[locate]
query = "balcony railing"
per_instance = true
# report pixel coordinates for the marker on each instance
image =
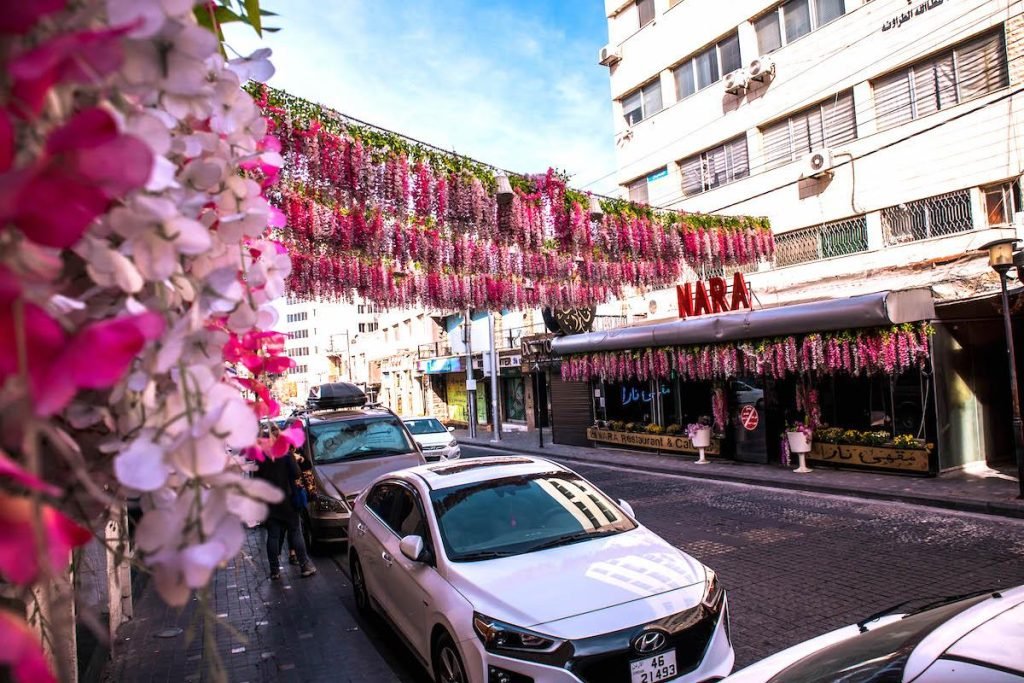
(944, 214)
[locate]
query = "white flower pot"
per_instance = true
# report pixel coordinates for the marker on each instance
(798, 442)
(702, 438)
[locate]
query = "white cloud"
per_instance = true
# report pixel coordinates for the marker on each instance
(496, 83)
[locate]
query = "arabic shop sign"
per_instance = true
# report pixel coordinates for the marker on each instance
(904, 17)
(713, 298)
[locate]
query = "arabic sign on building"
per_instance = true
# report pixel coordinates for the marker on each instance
(903, 17)
(701, 300)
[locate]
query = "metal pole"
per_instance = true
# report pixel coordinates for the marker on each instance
(1018, 424)
(495, 416)
(470, 382)
(348, 354)
(536, 402)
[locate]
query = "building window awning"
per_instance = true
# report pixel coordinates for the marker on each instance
(867, 310)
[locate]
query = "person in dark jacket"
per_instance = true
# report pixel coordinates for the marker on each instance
(283, 516)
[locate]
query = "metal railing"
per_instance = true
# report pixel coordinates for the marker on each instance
(433, 350)
(944, 214)
(819, 242)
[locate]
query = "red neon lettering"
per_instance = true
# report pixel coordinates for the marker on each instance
(702, 305)
(740, 293)
(684, 295)
(718, 289)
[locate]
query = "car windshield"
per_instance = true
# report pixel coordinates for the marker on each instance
(427, 425)
(517, 515)
(365, 437)
(877, 656)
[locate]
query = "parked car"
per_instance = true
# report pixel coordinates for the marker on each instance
(516, 569)
(436, 440)
(977, 638)
(348, 445)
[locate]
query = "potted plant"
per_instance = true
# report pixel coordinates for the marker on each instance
(655, 429)
(798, 438)
(700, 437)
(673, 429)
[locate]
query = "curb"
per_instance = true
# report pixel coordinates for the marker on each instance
(983, 507)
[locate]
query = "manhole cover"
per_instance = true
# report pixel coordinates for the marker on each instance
(168, 632)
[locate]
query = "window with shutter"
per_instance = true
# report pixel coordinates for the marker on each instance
(693, 181)
(715, 167)
(971, 69)
(826, 124)
(645, 11)
(638, 191)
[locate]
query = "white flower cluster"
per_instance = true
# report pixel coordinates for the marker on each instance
(191, 246)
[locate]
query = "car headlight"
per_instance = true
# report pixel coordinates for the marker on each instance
(497, 635)
(329, 505)
(713, 591)
(453, 443)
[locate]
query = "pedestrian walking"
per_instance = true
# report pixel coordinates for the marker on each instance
(284, 517)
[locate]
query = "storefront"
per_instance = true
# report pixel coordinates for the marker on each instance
(857, 371)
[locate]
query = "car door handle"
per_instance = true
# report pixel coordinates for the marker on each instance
(388, 560)
(361, 529)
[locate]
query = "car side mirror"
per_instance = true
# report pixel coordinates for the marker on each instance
(451, 429)
(627, 508)
(412, 547)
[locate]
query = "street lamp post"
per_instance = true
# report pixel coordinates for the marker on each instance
(1000, 258)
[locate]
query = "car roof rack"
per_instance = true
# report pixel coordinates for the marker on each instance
(335, 395)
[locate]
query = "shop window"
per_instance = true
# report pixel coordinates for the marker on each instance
(642, 102)
(971, 69)
(1002, 202)
(715, 167)
(826, 124)
(794, 19)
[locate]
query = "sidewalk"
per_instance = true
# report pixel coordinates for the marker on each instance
(990, 492)
(289, 630)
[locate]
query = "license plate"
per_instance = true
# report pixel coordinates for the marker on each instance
(653, 669)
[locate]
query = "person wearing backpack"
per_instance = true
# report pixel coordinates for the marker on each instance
(283, 517)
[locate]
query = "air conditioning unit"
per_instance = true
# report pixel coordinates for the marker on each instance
(762, 69)
(609, 55)
(736, 82)
(818, 163)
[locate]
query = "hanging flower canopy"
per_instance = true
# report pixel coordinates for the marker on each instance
(373, 214)
(890, 351)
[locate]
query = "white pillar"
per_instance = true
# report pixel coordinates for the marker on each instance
(495, 416)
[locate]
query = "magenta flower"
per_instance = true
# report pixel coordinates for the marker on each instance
(21, 651)
(19, 557)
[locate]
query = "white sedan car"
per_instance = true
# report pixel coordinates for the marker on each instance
(516, 569)
(977, 638)
(435, 440)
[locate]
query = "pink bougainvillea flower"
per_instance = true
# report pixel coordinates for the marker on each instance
(6, 141)
(292, 435)
(264, 406)
(11, 470)
(88, 164)
(21, 651)
(18, 552)
(82, 57)
(19, 17)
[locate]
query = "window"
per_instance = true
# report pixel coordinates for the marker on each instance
(826, 124)
(299, 334)
(638, 189)
(398, 508)
(792, 20)
(644, 12)
(641, 103)
(673, 3)
(838, 238)
(1001, 202)
(358, 438)
(969, 70)
(299, 351)
(298, 370)
(368, 327)
(708, 66)
(944, 214)
(297, 317)
(716, 166)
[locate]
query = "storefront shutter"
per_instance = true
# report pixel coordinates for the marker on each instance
(893, 100)
(981, 66)
(571, 411)
(693, 181)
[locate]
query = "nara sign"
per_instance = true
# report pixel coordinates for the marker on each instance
(715, 297)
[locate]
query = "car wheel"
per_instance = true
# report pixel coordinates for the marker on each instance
(359, 591)
(448, 666)
(312, 547)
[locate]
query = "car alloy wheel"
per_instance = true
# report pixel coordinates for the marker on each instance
(447, 662)
(359, 587)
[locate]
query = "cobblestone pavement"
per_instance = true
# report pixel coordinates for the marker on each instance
(797, 564)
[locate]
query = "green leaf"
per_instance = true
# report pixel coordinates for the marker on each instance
(252, 14)
(225, 16)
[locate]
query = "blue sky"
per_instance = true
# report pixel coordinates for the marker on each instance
(514, 83)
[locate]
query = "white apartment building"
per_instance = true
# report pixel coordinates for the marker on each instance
(312, 329)
(883, 138)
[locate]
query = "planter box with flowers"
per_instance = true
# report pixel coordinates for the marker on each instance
(875, 450)
(672, 439)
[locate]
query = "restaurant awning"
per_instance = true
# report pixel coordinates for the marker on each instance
(867, 310)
